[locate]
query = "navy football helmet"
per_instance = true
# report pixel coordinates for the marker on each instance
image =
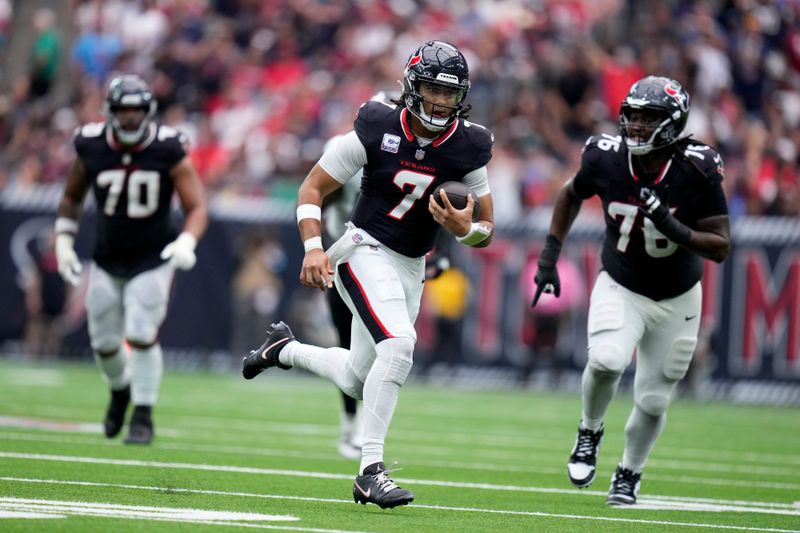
(129, 91)
(437, 63)
(666, 104)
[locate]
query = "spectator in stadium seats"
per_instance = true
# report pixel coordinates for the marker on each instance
(46, 54)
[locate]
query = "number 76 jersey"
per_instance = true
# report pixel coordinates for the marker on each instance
(133, 193)
(635, 254)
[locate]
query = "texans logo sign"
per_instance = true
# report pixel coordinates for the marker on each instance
(678, 95)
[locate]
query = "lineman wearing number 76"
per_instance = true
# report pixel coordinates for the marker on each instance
(133, 165)
(664, 212)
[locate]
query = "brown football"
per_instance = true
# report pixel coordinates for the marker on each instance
(457, 194)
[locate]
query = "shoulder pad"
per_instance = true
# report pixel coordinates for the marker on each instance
(478, 134)
(92, 129)
(374, 110)
(601, 146)
(168, 132)
(705, 159)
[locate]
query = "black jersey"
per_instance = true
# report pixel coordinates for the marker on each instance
(635, 254)
(400, 174)
(133, 193)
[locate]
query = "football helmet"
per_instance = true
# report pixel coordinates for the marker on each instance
(129, 91)
(437, 63)
(666, 101)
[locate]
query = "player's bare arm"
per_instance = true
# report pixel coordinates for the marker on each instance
(316, 271)
(75, 189)
(193, 199)
(566, 209)
(711, 238)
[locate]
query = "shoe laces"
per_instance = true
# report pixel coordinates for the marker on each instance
(587, 443)
(625, 480)
(384, 482)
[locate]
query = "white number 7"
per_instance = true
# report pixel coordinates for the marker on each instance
(421, 182)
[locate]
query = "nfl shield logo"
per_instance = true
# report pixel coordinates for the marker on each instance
(419, 154)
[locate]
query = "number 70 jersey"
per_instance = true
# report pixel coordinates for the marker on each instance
(635, 254)
(133, 193)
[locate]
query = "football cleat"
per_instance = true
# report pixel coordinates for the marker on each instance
(581, 465)
(266, 356)
(624, 487)
(141, 428)
(374, 486)
(117, 407)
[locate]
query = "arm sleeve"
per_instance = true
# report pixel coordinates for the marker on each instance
(344, 158)
(478, 181)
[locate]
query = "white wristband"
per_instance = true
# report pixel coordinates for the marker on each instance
(312, 243)
(66, 225)
(308, 211)
(477, 234)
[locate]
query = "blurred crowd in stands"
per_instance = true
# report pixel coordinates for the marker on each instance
(260, 85)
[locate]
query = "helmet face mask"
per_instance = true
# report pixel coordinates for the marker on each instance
(435, 84)
(653, 115)
(129, 108)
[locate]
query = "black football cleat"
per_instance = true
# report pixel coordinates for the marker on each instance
(374, 486)
(115, 415)
(581, 465)
(624, 487)
(141, 427)
(266, 356)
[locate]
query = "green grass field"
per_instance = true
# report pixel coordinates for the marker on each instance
(233, 454)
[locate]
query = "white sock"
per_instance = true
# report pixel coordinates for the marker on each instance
(598, 389)
(641, 432)
(330, 363)
(381, 390)
(146, 369)
(115, 369)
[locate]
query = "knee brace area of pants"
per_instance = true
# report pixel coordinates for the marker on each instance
(398, 352)
(653, 403)
(106, 343)
(679, 357)
(607, 358)
(352, 386)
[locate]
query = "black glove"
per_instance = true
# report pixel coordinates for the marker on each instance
(658, 212)
(435, 264)
(547, 274)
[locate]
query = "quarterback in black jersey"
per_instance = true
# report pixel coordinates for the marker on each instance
(406, 148)
(133, 166)
(665, 211)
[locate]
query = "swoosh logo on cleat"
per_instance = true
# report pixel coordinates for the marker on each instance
(274, 344)
(366, 494)
(688, 318)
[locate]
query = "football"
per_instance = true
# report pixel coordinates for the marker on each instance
(457, 194)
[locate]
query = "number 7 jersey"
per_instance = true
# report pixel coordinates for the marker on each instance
(133, 193)
(401, 173)
(635, 254)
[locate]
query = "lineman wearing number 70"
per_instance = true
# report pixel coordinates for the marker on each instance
(133, 166)
(664, 211)
(406, 149)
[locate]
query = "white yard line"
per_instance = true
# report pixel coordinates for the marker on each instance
(778, 508)
(482, 466)
(68, 505)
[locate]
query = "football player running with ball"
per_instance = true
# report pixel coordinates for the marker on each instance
(133, 165)
(665, 211)
(406, 149)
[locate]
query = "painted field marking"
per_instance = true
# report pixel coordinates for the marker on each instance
(777, 507)
(432, 507)
(267, 452)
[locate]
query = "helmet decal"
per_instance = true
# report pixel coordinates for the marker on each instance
(678, 95)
